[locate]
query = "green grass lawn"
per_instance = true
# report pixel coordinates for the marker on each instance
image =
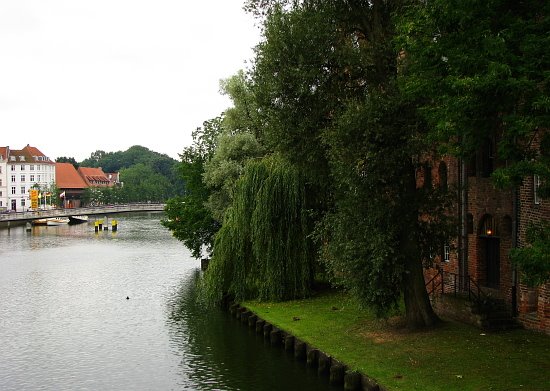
(453, 356)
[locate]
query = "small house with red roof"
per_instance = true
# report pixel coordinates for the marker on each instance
(70, 184)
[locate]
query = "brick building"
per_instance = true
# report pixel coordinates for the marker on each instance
(533, 303)
(491, 222)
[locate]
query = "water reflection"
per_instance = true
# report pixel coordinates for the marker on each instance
(218, 352)
(65, 323)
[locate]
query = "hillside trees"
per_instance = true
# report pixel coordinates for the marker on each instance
(151, 164)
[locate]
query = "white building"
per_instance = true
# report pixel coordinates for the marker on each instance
(21, 170)
(3, 179)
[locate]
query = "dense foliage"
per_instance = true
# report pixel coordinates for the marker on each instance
(187, 216)
(347, 103)
(262, 250)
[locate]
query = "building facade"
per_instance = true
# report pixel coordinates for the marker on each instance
(23, 170)
(492, 222)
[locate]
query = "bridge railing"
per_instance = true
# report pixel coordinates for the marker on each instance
(89, 210)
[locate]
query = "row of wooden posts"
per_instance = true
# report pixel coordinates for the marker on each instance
(338, 373)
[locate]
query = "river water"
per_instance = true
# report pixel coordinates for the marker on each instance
(66, 322)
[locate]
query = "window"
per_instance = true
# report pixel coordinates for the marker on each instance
(22, 189)
(22, 202)
(38, 178)
(38, 167)
(12, 158)
(536, 186)
(0, 182)
(469, 223)
(22, 167)
(22, 178)
(487, 158)
(1, 194)
(1, 202)
(0, 169)
(13, 178)
(443, 175)
(13, 167)
(446, 252)
(32, 178)
(13, 190)
(31, 167)
(427, 177)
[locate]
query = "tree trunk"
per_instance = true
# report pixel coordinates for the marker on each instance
(419, 311)
(418, 308)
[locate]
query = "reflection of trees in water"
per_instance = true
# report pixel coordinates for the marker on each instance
(220, 353)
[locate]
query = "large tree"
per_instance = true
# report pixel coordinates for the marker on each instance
(325, 80)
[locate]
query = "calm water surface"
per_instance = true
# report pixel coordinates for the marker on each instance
(65, 322)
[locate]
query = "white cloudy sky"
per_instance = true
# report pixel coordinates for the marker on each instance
(81, 75)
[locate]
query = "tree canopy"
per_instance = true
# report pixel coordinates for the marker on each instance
(344, 105)
(187, 216)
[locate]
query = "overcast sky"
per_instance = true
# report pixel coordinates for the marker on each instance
(77, 76)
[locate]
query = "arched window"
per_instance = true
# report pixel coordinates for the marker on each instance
(427, 171)
(487, 158)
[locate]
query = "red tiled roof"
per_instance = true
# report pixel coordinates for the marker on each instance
(3, 153)
(30, 154)
(33, 151)
(93, 176)
(66, 177)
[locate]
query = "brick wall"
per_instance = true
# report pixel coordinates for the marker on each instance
(533, 303)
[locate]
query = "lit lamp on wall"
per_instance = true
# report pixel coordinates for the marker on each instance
(488, 229)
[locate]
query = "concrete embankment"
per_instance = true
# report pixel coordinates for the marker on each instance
(336, 372)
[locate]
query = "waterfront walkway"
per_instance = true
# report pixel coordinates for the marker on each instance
(88, 211)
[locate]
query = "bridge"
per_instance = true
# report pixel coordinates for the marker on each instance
(87, 211)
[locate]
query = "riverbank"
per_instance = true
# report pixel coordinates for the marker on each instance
(453, 356)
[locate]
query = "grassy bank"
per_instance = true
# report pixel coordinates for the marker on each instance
(453, 356)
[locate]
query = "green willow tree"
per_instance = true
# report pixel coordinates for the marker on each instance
(263, 250)
(236, 144)
(226, 166)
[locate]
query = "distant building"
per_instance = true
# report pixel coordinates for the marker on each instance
(70, 184)
(94, 177)
(114, 178)
(21, 170)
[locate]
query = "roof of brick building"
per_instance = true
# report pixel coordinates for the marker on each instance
(94, 176)
(66, 177)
